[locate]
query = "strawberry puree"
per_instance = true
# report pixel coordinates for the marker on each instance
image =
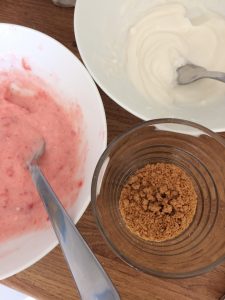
(28, 113)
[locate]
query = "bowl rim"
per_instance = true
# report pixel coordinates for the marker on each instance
(102, 159)
(109, 93)
(98, 97)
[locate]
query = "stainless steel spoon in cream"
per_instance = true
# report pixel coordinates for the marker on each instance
(190, 73)
(91, 280)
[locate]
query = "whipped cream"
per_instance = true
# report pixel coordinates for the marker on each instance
(166, 37)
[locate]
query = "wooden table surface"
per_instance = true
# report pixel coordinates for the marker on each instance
(49, 279)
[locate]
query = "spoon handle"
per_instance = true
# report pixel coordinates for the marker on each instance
(220, 76)
(91, 280)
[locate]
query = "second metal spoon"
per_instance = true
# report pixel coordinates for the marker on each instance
(190, 73)
(92, 281)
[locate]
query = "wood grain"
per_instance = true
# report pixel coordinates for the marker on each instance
(49, 279)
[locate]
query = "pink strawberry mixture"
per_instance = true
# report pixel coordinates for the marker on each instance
(28, 113)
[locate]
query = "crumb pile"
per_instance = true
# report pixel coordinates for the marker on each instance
(158, 202)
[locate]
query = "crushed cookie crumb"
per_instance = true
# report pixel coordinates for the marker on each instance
(158, 202)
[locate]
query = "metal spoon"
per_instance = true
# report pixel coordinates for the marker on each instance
(190, 73)
(91, 280)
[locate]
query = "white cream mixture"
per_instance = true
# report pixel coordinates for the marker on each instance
(166, 38)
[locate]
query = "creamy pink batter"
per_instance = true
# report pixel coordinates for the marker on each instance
(29, 112)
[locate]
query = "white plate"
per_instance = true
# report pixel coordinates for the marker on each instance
(10, 294)
(101, 38)
(64, 72)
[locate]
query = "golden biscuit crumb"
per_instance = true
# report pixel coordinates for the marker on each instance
(158, 202)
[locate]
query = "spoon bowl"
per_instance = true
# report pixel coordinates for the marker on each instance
(190, 73)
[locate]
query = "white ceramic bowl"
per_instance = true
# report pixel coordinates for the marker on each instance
(101, 28)
(62, 71)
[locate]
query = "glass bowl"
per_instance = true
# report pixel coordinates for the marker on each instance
(201, 154)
